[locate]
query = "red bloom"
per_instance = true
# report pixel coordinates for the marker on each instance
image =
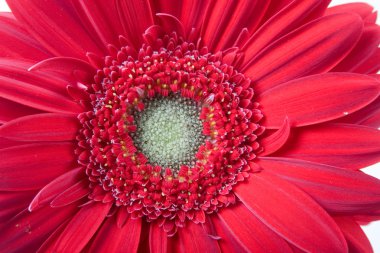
(189, 126)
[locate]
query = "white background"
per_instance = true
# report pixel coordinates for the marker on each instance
(372, 230)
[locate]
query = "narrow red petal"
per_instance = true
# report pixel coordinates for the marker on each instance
(373, 120)
(13, 203)
(278, 139)
(356, 239)
(129, 12)
(74, 193)
(55, 187)
(227, 241)
(17, 43)
(274, 8)
(18, 70)
(170, 24)
(291, 213)
(27, 231)
(101, 18)
(192, 14)
(365, 47)
(112, 239)
(81, 228)
(245, 14)
(6, 143)
(47, 245)
(290, 17)
(362, 9)
(371, 65)
(172, 8)
(33, 166)
(158, 239)
(66, 65)
(193, 238)
(122, 216)
(299, 53)
(363, 115)
(333, 140)
(63, 36)
(36, 97)
(350, 192)
(334, 95)
(11, 110)
(250, 231)
(41, 127)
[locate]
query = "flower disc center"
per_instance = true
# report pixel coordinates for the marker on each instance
(169, 131)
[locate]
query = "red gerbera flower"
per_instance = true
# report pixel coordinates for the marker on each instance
(188, 126)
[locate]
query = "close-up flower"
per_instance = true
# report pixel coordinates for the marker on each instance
(188, 126)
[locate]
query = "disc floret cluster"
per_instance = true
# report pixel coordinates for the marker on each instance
(128, 91)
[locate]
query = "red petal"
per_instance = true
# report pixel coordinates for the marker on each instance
(173, 8)
(36, 97)
(18, 70)
(67, 66)
(291, 213)
(63, 36)
(129, 12)
(299, 53)
(11, 110)
(288, 18)
(250, 231)
(170, 24)
(55, 187)
(101, 19)
(362, 9)
(192, 13)
(371, 65)
(315, 99)
(350, 191)
(48, 244)
(112, 239)
(6, 143)
(27, 231)
(275, 7)
(81, 228)
(364, 115)
(365, 47)
(73, 193)
(356, 239)
(158, 239)
(193, 238)
(278, 139)
(41, 127)
(33, 166)
(342, 145)
(227, 241)
(122, 216)
(373, 120)
(226, 21)
(17, 43)
(13, 203)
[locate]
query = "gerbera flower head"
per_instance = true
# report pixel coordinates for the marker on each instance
(189, 126)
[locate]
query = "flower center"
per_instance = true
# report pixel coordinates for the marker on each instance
(169, 131)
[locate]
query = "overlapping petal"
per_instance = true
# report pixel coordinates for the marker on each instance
(63, 36)
(32, 166)
(316, 99)
(336, 195)
(299, 53)
(298, 213)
